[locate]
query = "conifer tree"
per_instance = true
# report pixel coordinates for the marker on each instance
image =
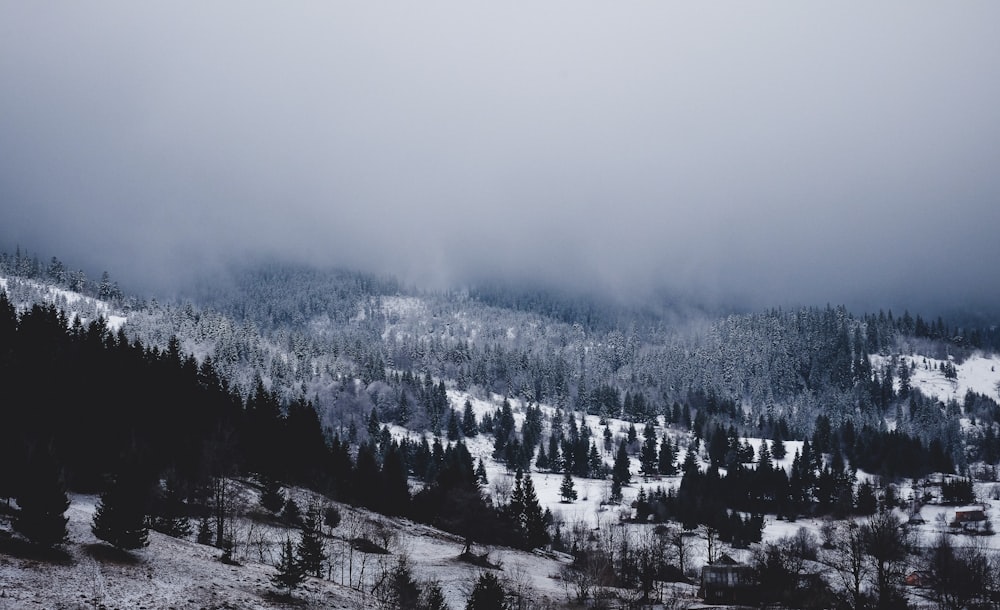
(616, 491)
(534, 522)
(403, 591)
(481, 472)
(542, 461)
(452, 427)
(290, 573)
(667, 457)
(595, 463)
(309, 551)
(566, 490)
(647, 458)
(488, 594)
(42, 502)
(120, 518)
(169, 517)
(778, 449)
(620, 472)
(271, 497)
(764, 463)
(290, 513)
(373, 425)
(469, 426)
(433, 597)
(204, 535)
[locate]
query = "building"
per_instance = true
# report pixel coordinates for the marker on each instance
(727, 582)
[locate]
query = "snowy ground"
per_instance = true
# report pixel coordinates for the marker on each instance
(174, 573)
(979, 373)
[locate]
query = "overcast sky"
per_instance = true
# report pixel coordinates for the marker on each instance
(777, 152)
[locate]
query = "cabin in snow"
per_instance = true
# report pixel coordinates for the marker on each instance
(972, 519)
(727, 582)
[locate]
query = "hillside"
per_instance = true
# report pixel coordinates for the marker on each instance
(308, 387)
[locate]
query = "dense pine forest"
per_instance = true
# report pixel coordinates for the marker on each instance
(285, 375)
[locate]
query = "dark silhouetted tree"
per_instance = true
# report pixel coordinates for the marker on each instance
(42, 501)
(120, 518)
(290, 574)
(566, 490)
(309, 551)
(488, 594)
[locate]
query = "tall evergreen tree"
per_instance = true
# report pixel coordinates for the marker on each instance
(42, 501)
(271, 497)
(488, 594)
(648, 455)
(290, 574)
(667, 457)
(169, 511)
(566, 490)
(620, 472)
(469, 426)
(309, 552)
(534, 522)
(120, 518)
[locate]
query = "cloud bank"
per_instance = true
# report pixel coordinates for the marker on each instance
(770, 153)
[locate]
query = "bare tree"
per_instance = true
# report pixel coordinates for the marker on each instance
(958, 576)
(887, 543)
(848, 557)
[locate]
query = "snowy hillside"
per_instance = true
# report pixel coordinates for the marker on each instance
(979, 373)
(175, 573)
(86, 307)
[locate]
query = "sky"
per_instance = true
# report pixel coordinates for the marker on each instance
(767, 153)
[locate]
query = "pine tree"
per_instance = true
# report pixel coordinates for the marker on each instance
(310, 551)
(566, 490)
(481, 472)
(488, 594)
(204, 535)
(290, 513)
(403, 591)
(453, 430)
(469, 426)
(534, 521)
(778, 449)
(433, 597)
(764, 463)
(169, 517)
(620, 472)
(616, 491)
(594, 462)
(373, 425)
(120, 518)
(331, 518)
(667, 457)
(290, 573)
(271, 497)
(648, 455)
(42, 501)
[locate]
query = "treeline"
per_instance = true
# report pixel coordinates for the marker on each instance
(55, 272)
(311, 331)
(87, 410)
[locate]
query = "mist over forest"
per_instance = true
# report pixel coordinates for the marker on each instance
(646, 305)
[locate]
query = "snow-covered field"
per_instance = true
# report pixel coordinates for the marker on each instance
(174, 573)
(65, 298)
(979, 373)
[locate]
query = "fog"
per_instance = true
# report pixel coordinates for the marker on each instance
(761, 153)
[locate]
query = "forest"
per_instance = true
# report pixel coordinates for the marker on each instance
(291, 376)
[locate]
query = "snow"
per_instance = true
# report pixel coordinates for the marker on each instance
(175, 573)
(979, 373)
(51, 294)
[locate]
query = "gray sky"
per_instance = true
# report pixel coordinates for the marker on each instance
(778, 152)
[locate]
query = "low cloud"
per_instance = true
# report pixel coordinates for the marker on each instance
(767, 155)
